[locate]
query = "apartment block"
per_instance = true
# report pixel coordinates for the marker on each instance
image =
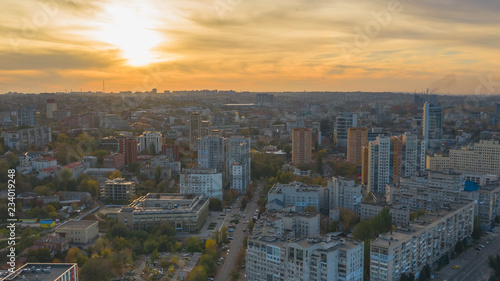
(357, 138)
(238, 163)
(273, 255)
(211, 153)
(185, 213)
(296, 194)
(201, 181)
(301, 146)
(115, 160)
(400, 213)
(117, 189)
(128, 147)
(433, 121)
(424, 241)
(151, 142)
(194, 130)
(345, 120)
(26, 116)
(344, 193)
(25, 138)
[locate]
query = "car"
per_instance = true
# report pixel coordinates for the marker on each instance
(477, 248)
(244, 229)
(230, 238)
(224, 248)
(481, 245)
(456, 266)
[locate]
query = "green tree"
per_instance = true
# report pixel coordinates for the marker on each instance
(116, 174)
(158, 175)
(223, 238)
(477, 232)
(96, 269)
(193, 244)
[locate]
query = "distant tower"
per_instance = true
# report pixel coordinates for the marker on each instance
(194, 130)
(357, 138)
(51, 107)
(301, 146)
(433, 124)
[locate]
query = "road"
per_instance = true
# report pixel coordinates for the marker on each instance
(237, 242)
(473, 263)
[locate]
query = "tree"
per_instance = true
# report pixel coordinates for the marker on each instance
(215, 205)
(477, 231)
(193, 244)
(96, 269)
(197, 274)
(224, 239)
(158, 175)
(310, 209)
(115, 174)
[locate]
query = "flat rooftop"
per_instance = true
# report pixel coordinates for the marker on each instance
(39, 271)
(78, 225)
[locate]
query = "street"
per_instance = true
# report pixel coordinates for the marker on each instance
(238, 235)
(473, 263)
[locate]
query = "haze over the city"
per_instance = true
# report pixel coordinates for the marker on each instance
(449, 46)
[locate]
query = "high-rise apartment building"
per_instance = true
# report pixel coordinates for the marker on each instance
(26, 116)
(433, 125)
(264, 99)
(238, 163)
(390, 158)
(301, 146)
(211, 153)
(357, 138)
(201, 181)
(275, 252)
(425, 240)
(194, 130)
(51, 107)
(344, 193)
(128, 147)
(206, 128)
(151, 142)
(345, 120)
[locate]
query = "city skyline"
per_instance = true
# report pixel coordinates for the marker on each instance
(397, 46)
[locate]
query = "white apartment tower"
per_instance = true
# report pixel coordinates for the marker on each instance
(201, 181)
(150, 141)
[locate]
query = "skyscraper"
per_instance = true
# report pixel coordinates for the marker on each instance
(301, 146)
(433, 125)
(356, 139)
(194, 130)
(211, 153)
(238, 163)
(345, 120)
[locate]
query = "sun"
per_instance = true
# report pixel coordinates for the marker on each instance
(132, 31)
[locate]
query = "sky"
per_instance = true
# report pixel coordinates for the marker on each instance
(446, 46)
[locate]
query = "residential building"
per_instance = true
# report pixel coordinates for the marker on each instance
(345, 120)
(128, 147)
(357, 138)
(171, 151)
(185, 213)
(211, 153)
(297, 194)
(275, 253)
(201, 181)
(391, 158)
(301, 146)
(76, 169)
(264, 100)
(43, 162)
(115, 160)
(25, 138)
(150, 142)
(79, 232)
(400, 213)
(44, 272)
(433, 121)
(424, 241)
(482, 158)
(344, 193)
(51, 105)
(194, 130)
(238, 163)
(117, 189)
(55, 243)
(26, 116)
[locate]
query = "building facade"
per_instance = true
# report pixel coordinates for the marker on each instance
(433, 121)
(301, 146)
(79, 232)
(201, 181)
(238, 163)
(128, 147)
(345, 120)
(151, 142)
(357, 138)
(211, 153)
(117, 189)
(25, 138)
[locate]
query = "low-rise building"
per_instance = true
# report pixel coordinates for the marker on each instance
(297, 194)
(115, 160)
(79, 232)
(44, 272)
(400, 213)
(184, 212)
(55, 243)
